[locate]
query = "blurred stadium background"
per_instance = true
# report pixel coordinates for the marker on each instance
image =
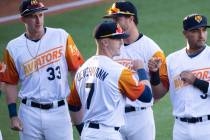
(161, 20)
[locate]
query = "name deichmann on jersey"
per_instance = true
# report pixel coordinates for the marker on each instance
(93, 72)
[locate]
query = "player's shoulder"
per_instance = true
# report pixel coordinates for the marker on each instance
(147, 42)
(56, 30)
(16, 42)
(147, 39)
(176, 54)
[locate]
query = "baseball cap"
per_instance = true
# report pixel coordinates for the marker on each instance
(28, 7)
(121, 9)
(194, 21)
(109, 29)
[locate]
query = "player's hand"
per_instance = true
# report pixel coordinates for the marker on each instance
(154, 64)
(16, 124)
(138, 64)
(188, 77)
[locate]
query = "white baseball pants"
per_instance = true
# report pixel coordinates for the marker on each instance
(39, 124)
(139, 125)
(191, 131)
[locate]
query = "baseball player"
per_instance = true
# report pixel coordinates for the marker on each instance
(40, 60)
(188, 74)
(101, 84)
(139, 116)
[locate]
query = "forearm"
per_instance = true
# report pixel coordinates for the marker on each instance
(202, 85)
(11, 93)
(146, 96)
(11, 97)
(158, 89)
(76, 117)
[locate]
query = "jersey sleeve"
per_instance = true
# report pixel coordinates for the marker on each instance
(73, 99)
(129, 85)
(2, 70)
(10, 75)
(73, 56)
(163, 69)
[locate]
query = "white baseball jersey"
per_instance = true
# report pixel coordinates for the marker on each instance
(99, 87)
(144, 48)
(42, 66)
(188, 101)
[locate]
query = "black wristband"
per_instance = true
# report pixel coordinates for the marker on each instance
(154, 78)
(12, 108)
(80, 128)
(201, 84)
(142, 74)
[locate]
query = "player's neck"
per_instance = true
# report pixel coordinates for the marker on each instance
(194, 51)
(35, 35)
(133, 35)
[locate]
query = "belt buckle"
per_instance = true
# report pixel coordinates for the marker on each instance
(46, 106)
(192, 120)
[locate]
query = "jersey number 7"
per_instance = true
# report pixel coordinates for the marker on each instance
(90, 95)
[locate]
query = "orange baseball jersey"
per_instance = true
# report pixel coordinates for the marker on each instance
(100, 87)
(144, 49)
(42, 66)
(186, 99)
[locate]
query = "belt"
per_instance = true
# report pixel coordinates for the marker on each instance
(44, 106)
(97, 126)
(131, 108)
(194, 119)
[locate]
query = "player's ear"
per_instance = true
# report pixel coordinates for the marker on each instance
(105, 42)
(184, 33)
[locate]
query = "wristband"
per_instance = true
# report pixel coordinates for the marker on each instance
(201, 84)
(12, 110)
(142, 74)
(155, 78)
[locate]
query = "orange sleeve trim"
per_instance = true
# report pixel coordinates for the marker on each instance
(163, 69)
(73, 56)
(73, 99)
(10, 74)
(129, 85)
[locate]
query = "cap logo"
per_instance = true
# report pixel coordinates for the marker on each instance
(198, 18)
(113, 9)
(34, 2)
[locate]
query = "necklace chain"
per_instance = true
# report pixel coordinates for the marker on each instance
(36, 54)
(30, 51)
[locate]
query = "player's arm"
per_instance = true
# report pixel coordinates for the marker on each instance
(190, 78)
(131, 87)
(75, 105)
(11, 78)
(158, 75)
(11, 98)
(73, 56)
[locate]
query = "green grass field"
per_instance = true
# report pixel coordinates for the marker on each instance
(161, 20)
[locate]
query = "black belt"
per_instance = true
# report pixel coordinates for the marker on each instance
(44, 106)
(96, 126)
(131, 109)
(194, 119)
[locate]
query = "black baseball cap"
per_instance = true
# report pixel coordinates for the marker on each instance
(28, 7)
(194, 21)
(121, 9)
(109, 29)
